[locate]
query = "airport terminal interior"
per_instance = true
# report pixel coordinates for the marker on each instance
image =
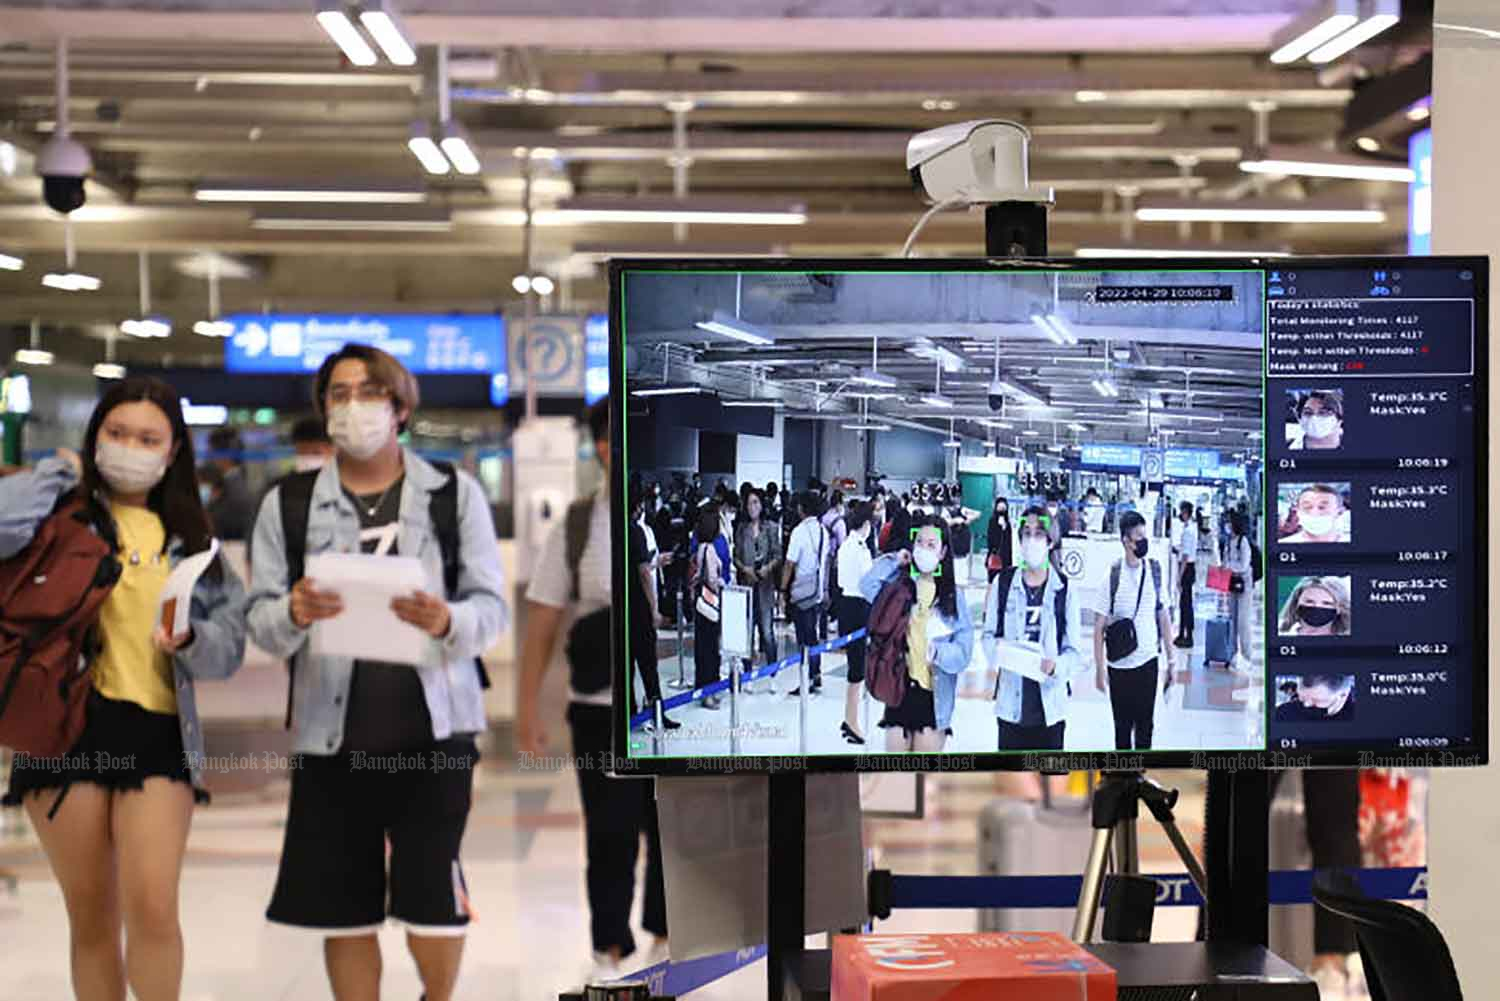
(733, 231)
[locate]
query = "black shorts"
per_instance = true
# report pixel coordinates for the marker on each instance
(333, 874)
(122, 746)
(917, 712)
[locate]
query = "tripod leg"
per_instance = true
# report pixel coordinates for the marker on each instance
(1093, 886)
(1185, 852)
(1127, 848)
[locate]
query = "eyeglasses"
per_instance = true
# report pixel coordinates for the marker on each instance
(369, 392)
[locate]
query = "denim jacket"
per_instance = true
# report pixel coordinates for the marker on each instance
(1062, 649)
(953, 650)
(320, 695)
(217, 610)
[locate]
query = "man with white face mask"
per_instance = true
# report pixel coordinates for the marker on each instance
(416, 721)
(1320, 421)
(1320, 516)
(1032, 615)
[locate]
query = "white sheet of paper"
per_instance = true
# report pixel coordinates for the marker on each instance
(937, 628)
(177, 595)
(1024, 659)
(367, 629)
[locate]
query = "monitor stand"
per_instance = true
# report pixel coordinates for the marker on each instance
(1233, 957)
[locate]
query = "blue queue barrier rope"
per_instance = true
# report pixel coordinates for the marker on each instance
(684, 698)
(676, 979)
(1288, 886)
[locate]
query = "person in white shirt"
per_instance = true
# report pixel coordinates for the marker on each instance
(1320, 516)
(854, 611)
(1240, 559)
(1134, 596)
(1187, 559)
(616, 812)
(805, 579)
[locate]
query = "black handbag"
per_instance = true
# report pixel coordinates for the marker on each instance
(1237, 583)
(1120, 640)
(590, 653)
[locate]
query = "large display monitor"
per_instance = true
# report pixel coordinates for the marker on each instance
(1330, 411)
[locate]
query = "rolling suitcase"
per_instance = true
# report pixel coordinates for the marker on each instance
(1218, 646)
(1017, 838)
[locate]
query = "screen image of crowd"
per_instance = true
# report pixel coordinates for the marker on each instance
(1075, 566)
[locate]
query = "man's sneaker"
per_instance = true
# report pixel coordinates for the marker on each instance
(658, 952)
(605, 968)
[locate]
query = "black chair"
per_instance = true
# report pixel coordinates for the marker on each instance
(1404, 954)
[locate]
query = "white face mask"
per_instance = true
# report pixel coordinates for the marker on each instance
(926, 559)
(129, 470)
(1034, 553)
(308, 463)
(1320, 425)
(361, 429)
(1317, 524)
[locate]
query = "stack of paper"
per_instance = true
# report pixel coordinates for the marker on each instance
(367, 629)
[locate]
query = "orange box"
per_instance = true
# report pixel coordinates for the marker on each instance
(987, 966)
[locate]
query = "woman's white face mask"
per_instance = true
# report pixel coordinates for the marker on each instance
(128, 470)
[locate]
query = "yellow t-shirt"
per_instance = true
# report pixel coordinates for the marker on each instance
(129, 667)
(917, 664)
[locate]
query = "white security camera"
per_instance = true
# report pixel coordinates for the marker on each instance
(981, 163)
(63, 164)
(997, 396)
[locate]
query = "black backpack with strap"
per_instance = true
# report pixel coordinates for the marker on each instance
(295, 501)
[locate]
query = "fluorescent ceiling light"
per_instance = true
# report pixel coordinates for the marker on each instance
(1047, 328)
(1077, 427)
(1258, 211)
(308, 193)
(1310, 163)
(542, 285)
(9, 263)
(32, 356)
(1032, 397)
(667, 391)
(924, 348)
(346, 36)
(1418, 113)
(953, 443)
(729, 326)
(214, 328)
(380, 20)
(865, 427)
(72, 281)
(426, 150)
(457, 148)
(1368, 143)
(934, 400)
(773, 404)
(1090, 96)
(146, 328)
(1063, 330)
(1106, 388)
(1356, 36)
(396, 218)
(521, 283)
(991, 423)
(1319, 26)
(109, 370)
(870, 377)
(1028, 432)
(1175, 252)
(581, 211)
(861, 395)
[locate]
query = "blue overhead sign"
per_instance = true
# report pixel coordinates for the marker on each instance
(1191, 463)
(596, 358)
(1111, 456)
(427, 344)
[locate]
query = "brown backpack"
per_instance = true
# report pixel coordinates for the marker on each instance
(50, 595)
(885, 657)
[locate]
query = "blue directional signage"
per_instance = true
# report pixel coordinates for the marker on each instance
(1419, 194)
(1111, 456)
(1190, 463)
(427, 344)
(596, 358)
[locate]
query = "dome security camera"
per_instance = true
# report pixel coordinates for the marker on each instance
(63, 164)
(997, 396)
(979, 162)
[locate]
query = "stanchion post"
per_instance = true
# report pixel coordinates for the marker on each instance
(657, 729)
(681, 683)
(734, 705)
(802, 702)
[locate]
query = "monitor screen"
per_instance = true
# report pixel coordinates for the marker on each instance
(1049, 514)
